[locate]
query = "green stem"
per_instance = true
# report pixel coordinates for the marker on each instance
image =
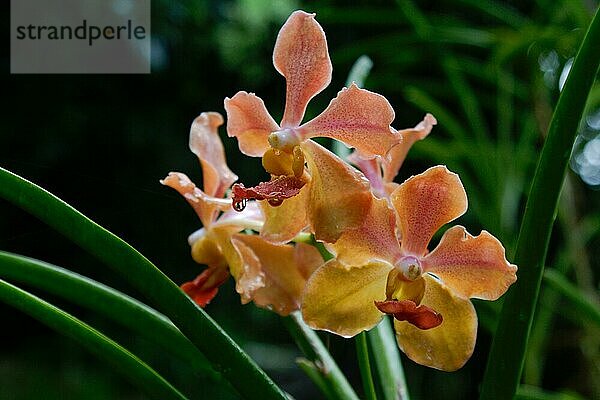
(129, 365)
(108, 302)
(309, 343)
(224, 354)
(362, 352)
(505, 362)
(388, 362)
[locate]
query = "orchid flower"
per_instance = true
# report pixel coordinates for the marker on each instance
(271, 275)
(357, 117)
(384, 267)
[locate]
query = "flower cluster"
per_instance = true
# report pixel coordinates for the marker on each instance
(377, 231)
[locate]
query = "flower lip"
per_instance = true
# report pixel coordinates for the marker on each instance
(410, 266)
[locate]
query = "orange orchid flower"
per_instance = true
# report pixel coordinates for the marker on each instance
(357, 117)
(384, 267)
(271, 275)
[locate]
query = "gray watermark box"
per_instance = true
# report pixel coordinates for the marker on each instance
(80, 36)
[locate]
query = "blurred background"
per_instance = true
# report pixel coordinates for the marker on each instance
(489, 70)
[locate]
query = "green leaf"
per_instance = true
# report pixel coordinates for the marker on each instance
(224, 354)
(108, 302)
(505, 362)
(129, 365)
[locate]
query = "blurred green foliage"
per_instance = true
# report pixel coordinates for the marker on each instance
(488, 70)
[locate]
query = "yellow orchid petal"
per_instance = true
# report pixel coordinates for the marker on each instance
(284, 222)
(425, 203)
(301, 56)
(249, 121)
(341, 300)
(340, 196)
(472, 266)
(274, 276)
(221, 236)
(395, 158)
(374, 240)
(359, 118)
(206, 144)
(448, 346)
(205, 206)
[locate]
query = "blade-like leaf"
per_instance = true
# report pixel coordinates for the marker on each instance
(129, 365)
(506, 359)
(110, 303)
(224, 354)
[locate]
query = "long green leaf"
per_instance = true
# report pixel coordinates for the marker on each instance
(505, 362)
(106, 301)
(129, 365)
(224, 354)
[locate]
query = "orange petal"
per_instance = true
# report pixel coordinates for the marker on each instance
(394, 159)
(249, 121)
(205, 206)
(206, 285)
(274, 276)
(421, 316)
(472, 266)
(448, 346)
(425, 203)
(206, 144)
(301, 56)
(341, 300)
(274, 191)
(339, 194)
(374, 240)
(284, 222)
(359, 118)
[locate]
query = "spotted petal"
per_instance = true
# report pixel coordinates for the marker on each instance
(395, 158)
(284, 222)
(448, 346)
(274, 276)
(359, 118)
(249, 121)
(341, 300)
(339, 194)
(374, 240)
(206, 144)
(472, 266)
(424, 204)
(301, 56)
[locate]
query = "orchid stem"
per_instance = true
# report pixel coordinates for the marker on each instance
(362, 352)
(315, 351)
